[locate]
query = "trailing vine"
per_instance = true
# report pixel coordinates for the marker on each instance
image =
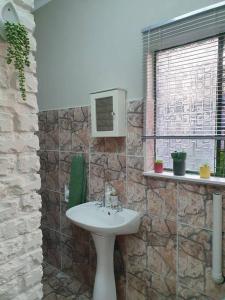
(18, 51)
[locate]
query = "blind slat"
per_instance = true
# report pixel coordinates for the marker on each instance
(184, 85)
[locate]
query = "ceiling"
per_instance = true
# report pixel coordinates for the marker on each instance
(40, 3)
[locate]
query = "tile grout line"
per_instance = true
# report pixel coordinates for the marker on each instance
(59, 188)
(126, 120)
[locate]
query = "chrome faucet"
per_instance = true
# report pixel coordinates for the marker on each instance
(119, 206)
(108, 190)
(106, 198)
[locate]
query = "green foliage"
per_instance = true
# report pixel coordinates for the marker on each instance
(158, 161)
(18, 51)
(220, 166)
(178, 156)
(206, 165)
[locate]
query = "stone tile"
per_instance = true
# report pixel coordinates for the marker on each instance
(135, 128)
(48, 130)
(97, 145)
(136, 184)
(49, 170)
(162, 198)
(66, 226)
(80, 131)
(52, 130)
(51, 247)
(98, 164)
(65, 129)
(145, 263)
(136, 255)
(50, 209)
(74, 131)
(185, 293)
(115, 145)
(145, 227)
(108, 145)
(42, 121)
(75, 254)
(193, 204)
(161, 247)
(65, 169)
(194, 256)
(59, 285)
(107, 168)
(138, 275)
(43, 161)
(162, 288)
(48, 271)
(212, 290)
(120, 267)
(138, 288)
(84, 293)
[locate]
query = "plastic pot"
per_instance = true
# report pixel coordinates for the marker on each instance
(179, 167)
(158, 167)
(204, 172)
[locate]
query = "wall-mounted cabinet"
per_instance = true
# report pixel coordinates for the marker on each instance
(108, 113)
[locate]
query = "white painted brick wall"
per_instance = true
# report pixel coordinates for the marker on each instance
(20, 236)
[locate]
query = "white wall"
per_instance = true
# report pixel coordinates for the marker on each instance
(90, 45)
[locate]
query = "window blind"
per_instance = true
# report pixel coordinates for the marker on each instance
(184, 84)
(187, 28)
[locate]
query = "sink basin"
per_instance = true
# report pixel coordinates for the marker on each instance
(104, 224)
(104, 221)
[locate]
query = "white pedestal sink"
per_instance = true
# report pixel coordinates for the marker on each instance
(104, 224)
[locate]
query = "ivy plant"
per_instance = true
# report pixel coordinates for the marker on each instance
(18, 51)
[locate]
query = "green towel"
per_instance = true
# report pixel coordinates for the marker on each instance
(78, 181)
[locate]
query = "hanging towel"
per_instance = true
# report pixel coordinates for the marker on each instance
(78, 181)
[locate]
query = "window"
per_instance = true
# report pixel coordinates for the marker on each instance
(185, 91)
(186, 99)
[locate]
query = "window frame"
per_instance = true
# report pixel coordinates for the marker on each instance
(219, 100)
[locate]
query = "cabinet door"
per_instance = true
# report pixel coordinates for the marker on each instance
(104, 114)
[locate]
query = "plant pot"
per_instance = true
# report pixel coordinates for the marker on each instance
(158, 167)
(204, 172)
(179, 167)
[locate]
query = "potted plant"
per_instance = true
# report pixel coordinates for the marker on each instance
(179, 163)
(158, 166)
(205, 171)
(18, 51)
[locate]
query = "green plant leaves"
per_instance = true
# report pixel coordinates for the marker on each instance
(178, 155)
(18, 51)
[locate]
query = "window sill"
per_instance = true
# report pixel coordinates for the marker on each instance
(187, 177)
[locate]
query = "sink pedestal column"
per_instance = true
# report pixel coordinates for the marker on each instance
(104, 288)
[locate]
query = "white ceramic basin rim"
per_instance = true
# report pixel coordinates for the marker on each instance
(104, 221)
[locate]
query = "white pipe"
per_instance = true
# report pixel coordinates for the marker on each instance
(217, 274)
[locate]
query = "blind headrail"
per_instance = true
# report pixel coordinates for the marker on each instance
(184, 16)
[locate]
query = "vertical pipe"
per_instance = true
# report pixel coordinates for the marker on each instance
(217, 239)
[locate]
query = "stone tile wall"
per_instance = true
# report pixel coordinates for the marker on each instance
(20, 235)
(170, 256)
